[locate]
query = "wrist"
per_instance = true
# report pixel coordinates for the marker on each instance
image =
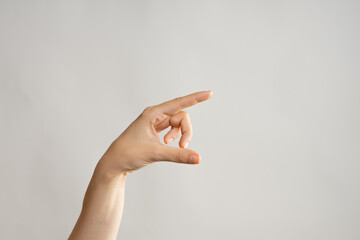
(103, 173)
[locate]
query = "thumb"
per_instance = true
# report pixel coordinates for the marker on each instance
(178, 155)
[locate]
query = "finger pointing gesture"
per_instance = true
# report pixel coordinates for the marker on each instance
(176, 105)
(139, 145)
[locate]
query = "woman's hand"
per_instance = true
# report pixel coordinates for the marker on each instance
(139, 145)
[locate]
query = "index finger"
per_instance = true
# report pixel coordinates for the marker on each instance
(176, 105)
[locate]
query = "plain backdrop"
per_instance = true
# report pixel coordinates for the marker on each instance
(280, 139)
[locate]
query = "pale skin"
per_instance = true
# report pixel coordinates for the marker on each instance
(138, 146)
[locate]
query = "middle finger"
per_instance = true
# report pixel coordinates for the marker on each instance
(182, 120)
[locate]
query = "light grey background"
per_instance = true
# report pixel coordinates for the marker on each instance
(280, 139)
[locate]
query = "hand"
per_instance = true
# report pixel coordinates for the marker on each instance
(139, 145)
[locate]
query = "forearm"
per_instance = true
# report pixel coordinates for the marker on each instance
(102, 207)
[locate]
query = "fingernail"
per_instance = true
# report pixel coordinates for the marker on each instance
(186, 144)
(194, 159)
(170, 140)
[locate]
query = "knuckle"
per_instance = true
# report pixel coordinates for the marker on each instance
(147, 111)
(187, 115)
(184, 115)
(178, 102)
(179, 156)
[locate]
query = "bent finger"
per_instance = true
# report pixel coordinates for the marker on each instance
(182, 120)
